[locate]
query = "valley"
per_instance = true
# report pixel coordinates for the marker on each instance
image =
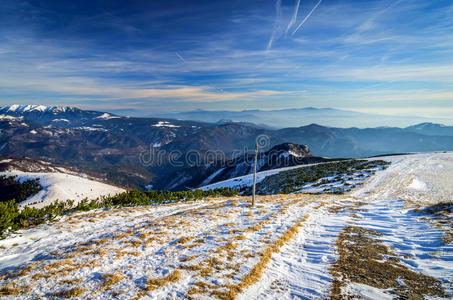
(171, 154)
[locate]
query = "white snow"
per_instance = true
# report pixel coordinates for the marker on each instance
(38, 108)
(10, 118)
(107, 116)
(33, 131)
(88, 128)
(247, 180)
(222, 237)
(62, 187)
(418, 185)
(212, 176)
(295, 154)
(165, 124)
(61, 120)
(367, 292)
(27, 108)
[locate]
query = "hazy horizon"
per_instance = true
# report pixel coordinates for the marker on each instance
(280, 118)
(378, 57)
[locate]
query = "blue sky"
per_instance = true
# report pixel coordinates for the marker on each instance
(139, 57)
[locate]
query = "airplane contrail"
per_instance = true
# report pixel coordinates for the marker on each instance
(294, 17)
(180, 57)
(278, 9)
(306, 18)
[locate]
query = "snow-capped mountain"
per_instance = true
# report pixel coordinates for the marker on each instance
(36, 108)
(115, 146)
(46, 114)
(431, 129)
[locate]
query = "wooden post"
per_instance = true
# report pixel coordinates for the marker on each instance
(254, 174)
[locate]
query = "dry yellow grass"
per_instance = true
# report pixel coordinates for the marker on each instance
(136, 243)
(71, 281)
(161, 231)
(40, 275)
(153, 284)
(111, 279)
(256, 272)
(12, 290)
(184, 240)
(363, 258)
(256, 227)
(58, 264)
(188, 258)
(150, 240)
(72, 293)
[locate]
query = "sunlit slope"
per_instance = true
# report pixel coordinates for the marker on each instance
(286, 246)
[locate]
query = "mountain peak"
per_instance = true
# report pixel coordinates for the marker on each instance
(293, 149)
(426, 125)
(16, 108)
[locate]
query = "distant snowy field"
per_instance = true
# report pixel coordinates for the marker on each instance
(62, 187)
(283, 248)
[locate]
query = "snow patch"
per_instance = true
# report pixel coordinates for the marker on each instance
(165, 124)
(418, 185)
(10, 118)
(368, 292)
(61, 120)
(62, 187)
(107, 116)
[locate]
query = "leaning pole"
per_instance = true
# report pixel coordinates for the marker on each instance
(254, 174)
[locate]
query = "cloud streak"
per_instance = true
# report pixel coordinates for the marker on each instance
(223, 56)
(293, 19)
(278, 15)
(306, 18)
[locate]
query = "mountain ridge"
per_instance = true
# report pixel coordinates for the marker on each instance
(121, 149)
(296, 117)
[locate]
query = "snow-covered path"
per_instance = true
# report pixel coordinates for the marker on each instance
(283, 248)
(301, 269)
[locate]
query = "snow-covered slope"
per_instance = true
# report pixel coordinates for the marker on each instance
(425, 178)
(247, 180)
(62, 187)
(283, 248)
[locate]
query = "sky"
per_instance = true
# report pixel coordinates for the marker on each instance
(143, 57)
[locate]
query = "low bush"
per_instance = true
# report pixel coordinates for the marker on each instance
(318, 175)
(12, 189)
(11, 218)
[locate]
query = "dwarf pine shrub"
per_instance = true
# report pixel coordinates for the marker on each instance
(12, 218)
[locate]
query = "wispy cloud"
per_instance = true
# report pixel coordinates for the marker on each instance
(231, 56)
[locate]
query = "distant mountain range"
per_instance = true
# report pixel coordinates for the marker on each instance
(297, 117)
(123, 149)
